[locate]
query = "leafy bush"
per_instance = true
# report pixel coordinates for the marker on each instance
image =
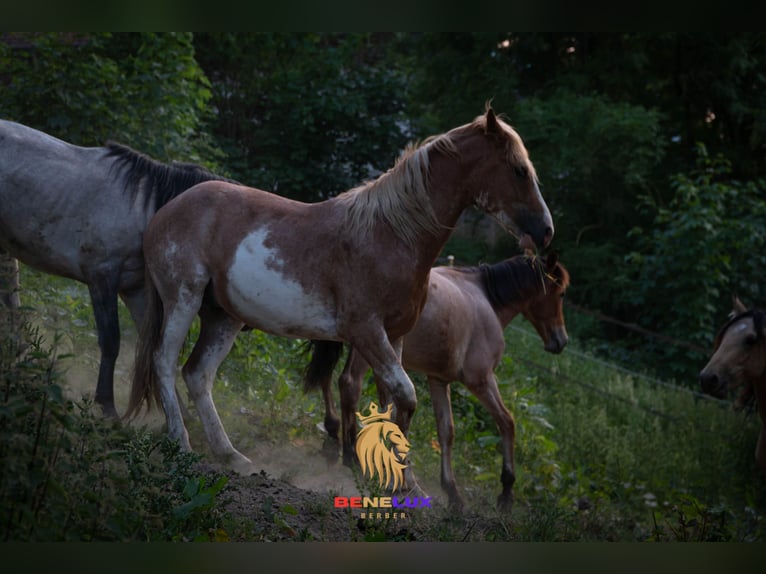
(66, 474)
(707, 244)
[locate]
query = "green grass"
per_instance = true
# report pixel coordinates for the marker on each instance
(602, 454)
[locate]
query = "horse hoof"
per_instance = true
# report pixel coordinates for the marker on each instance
(330, 451)
(505, 502)
(109, 412)
(240, 464)
(414, 490)
(456, 506)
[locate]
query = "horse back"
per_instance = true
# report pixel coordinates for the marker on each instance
(279, 265)
(457, 333)
(81, 219)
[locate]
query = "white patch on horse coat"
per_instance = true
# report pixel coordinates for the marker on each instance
(268, 300)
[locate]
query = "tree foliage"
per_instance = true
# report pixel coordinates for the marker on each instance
(613, 123)
(707, 244)
(305, 115)
(145, 90)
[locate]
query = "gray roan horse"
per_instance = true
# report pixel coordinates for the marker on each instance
(80, 212)
(458, 337)
(739, 362)
(352, 268)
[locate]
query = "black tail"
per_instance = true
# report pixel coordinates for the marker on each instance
(324, 356)
(145, 389)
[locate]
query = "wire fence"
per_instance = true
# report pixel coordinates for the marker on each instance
(637, 328)
(559, 376)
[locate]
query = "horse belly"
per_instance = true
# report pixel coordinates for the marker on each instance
(264, 297)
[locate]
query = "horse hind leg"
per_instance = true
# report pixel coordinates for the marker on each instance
(135, 301)
(10, 317)
(487, 392)
(178, 318)
(218, 330)
(331, 443)
(350, 389)
(9, 281)
(445, 430)
(103, 295)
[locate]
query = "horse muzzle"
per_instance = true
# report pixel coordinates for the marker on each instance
(536, 230)
(712, 384)
(556, 343)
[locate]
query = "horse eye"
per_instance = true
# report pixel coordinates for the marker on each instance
(750, 340)
(521, 171)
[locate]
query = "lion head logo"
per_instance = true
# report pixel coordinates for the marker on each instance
(373, 452)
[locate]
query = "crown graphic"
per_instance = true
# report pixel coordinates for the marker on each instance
(375, 415)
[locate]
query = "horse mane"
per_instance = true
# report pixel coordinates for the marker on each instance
(399, 196)
(759, 321)
(517, 279)
(161, 182)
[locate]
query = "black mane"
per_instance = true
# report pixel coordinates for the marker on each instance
(161, 181)
(512, 280)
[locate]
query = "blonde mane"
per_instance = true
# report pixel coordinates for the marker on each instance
(399, 197)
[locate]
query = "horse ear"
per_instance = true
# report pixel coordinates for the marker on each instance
(553, 258)
(492, 126)
(737, 305)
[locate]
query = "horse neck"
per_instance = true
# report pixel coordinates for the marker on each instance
(449, 197)
(759, 383)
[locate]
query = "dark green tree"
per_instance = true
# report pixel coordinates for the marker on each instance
(706, 245)
(305, 115)
(145, 90)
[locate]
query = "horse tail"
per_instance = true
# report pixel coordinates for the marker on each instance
(145, 388)
(324, 356)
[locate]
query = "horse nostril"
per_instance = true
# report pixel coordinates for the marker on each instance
(708, 381)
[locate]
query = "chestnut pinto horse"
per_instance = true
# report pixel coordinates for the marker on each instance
(353, 268)
(458, 337)
(739, 362)
(80, 212)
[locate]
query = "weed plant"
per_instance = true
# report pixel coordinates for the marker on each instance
(66, 474)
(602, 453)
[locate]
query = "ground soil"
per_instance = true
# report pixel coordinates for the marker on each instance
(291, 497)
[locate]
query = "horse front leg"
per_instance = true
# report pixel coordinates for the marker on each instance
(759, 388)
(103, 296)
(760, 449)
(384, 358)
